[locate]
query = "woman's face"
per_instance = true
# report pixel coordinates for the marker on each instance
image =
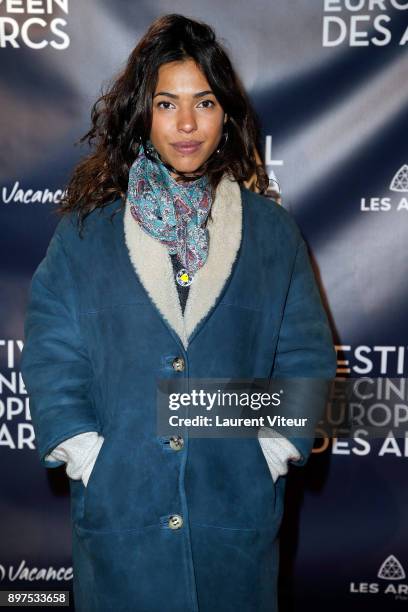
(185, 111)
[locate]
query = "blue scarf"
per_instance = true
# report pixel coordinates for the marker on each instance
(173, 213)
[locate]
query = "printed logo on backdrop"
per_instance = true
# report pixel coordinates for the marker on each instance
(371, 26)
(399, 185)
(363, 360)
(35, 24)
(18, 195)
(379, 404)
(16, 429)
(24, 572)
(393, 584)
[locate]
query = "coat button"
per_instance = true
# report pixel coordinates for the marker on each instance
(175, 521)
(178, 364)
(176, 443)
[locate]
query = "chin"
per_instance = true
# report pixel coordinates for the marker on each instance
(185, 164)
(186, 169)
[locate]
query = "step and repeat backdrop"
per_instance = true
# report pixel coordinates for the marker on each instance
(329, 81)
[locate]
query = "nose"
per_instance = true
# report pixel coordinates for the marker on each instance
(186, 121)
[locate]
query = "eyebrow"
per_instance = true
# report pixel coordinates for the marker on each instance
(196, 95)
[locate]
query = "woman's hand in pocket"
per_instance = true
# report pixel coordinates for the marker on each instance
(80, 453)
(277, 451)
(90, 460)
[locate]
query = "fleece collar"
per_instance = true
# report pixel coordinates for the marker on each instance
(152, 263)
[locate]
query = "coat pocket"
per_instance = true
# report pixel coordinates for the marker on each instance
(98, 472)
(91, 466)
(277, 451)
(267, 462)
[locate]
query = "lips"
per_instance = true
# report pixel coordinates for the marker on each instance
(186, 147)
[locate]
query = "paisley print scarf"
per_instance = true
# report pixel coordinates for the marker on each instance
(173, 213)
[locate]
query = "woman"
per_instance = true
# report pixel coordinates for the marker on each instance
(174, 270)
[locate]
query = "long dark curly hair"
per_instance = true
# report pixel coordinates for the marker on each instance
(122, 118)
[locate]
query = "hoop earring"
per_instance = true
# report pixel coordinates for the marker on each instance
(220, 148)
(149, 149)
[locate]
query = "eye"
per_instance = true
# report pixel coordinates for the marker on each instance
(164, 102)
(210, 101)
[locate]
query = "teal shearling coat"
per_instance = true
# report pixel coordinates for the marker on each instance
(160, 528)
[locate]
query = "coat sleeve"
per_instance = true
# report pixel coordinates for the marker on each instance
(305, 355)
(55, 367)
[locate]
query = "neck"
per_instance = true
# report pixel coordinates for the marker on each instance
(176, 176)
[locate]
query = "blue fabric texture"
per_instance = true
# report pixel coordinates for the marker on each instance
(95, 346)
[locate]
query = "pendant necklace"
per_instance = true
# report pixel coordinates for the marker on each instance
(184, 278)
